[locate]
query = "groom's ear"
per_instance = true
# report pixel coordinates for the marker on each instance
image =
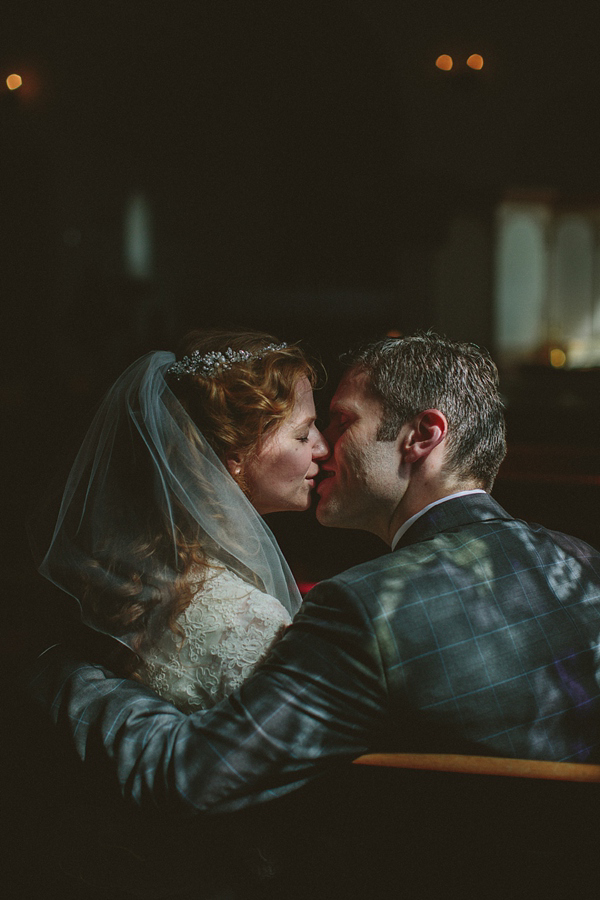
(233, 461)
(426, 431)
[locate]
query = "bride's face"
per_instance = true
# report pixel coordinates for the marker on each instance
(282, 475)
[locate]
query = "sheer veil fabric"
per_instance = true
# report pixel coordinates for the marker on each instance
(144, 469)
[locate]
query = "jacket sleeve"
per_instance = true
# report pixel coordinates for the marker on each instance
(319, 699)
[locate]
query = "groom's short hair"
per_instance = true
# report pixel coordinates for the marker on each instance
(425, 371)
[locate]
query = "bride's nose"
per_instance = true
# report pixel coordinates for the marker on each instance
(320, 447)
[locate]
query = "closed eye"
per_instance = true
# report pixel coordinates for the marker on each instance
(340, 420)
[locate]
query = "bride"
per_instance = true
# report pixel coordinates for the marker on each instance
(160, 535)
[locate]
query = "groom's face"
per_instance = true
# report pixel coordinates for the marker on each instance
(360, 486)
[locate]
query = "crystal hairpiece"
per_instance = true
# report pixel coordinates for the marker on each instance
(214, 361)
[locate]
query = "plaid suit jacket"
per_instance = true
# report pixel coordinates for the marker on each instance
(479, 633)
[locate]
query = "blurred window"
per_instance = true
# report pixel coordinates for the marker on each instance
(547, 303)
(138, 238)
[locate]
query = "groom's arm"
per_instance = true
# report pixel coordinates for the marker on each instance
(318, 700)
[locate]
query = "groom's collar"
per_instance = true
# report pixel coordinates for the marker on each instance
(457, 518)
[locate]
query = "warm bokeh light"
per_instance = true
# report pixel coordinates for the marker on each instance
(393, 333)
(558, 358)
(14, 82)
(444, 62)
(475, 61)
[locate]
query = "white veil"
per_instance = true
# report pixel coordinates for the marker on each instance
(145, 469)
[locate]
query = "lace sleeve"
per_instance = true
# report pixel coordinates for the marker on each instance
(228, 630)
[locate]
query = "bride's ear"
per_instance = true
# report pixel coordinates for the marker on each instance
(233, 461)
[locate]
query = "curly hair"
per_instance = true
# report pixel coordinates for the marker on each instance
(234, 410)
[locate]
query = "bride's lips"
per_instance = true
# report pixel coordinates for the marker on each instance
(315, 478)
(312, 479)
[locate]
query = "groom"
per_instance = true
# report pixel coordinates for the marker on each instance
(476, 633)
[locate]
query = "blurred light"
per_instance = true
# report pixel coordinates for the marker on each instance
(444, 62)
(14, 82)
(394, 333)
(475, 61)
(138, 237)
(558, 358)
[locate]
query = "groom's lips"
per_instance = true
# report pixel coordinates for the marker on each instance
(323, 476)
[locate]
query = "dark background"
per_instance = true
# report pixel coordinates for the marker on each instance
(303, 163)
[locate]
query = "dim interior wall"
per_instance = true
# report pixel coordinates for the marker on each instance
(462, 278)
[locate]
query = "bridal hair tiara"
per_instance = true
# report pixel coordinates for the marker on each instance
(208, 364)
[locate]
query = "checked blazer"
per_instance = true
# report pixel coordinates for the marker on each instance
(479, 633)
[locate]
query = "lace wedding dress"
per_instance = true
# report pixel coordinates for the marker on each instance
(228, 629)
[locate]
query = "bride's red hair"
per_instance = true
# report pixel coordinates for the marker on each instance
(237, 407)
(234, 409)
